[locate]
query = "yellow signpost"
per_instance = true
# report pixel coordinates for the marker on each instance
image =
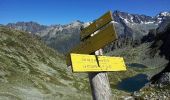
(96, 65)
(96, 42)
(102, 21)
(89, 63)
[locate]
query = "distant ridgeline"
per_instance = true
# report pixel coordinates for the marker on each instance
(130, 27)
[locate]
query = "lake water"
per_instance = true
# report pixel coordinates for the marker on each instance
(133, 83)
(136, 65)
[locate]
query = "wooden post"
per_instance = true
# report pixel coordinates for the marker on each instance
(95, 36)
(99, 83)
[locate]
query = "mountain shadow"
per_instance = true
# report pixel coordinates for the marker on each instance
(161, 44)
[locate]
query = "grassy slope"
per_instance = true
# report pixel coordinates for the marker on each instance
(141, 56)
(30, 70)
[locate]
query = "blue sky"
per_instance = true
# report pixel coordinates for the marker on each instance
(65, 11)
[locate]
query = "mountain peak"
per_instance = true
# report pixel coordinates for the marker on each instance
(163, 14)
(131, 18)
(27, 26)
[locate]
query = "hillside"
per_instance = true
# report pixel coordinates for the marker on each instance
(59, 37)
(161, 45)
(32, 71)
(29, 70)
(159, 87)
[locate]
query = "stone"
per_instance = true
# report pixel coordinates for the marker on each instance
(165, 79)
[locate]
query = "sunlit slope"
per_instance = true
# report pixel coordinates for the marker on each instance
(29, 70)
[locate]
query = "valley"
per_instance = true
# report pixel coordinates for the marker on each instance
(33, 67)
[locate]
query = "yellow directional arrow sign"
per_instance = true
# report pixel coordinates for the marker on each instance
(88, 63)
(102, 38)
(102, 21)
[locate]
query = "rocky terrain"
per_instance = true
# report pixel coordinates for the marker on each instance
(31, 70)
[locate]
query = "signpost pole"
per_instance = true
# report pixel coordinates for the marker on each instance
(99, 82)
(95, 36)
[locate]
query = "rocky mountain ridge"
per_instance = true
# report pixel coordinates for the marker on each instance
(139, 19)
(130, 28)
(34, 27)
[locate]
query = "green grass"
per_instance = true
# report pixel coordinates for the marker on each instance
(27, 64)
